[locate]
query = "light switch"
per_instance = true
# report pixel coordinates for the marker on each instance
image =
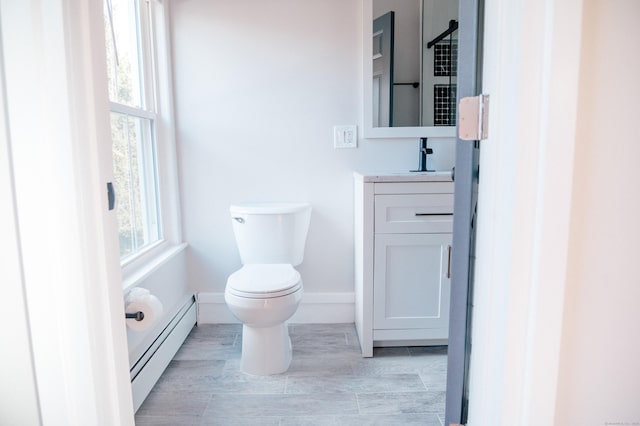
(345, 137)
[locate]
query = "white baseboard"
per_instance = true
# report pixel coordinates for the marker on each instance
(315, 308)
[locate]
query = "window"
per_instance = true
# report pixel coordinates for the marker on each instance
(131, 74)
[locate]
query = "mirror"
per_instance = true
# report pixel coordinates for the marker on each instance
(410, 59)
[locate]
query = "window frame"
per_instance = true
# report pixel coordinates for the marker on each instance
(157, 106)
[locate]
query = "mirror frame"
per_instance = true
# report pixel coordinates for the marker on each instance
(369, 131)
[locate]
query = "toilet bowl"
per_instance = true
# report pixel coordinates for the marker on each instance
(267, 290)
(263, 297)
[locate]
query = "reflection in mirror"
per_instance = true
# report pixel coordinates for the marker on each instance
(414, 63)
(383, 69)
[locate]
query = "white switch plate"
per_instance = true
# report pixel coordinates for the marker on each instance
(345, 136)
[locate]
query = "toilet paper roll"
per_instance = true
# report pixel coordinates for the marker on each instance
(141, 300)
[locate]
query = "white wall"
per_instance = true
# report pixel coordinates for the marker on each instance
(601, 343)
(258, 88)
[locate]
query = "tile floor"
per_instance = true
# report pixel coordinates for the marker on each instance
(328, 383)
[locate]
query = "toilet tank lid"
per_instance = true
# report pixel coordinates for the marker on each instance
(268, 208)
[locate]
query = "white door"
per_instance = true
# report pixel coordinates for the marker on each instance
(18, 393)
(411, 282)
(59, 162)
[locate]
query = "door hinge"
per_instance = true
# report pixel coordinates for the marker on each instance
(474, 118)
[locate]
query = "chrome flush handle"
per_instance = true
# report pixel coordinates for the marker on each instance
(239, 219)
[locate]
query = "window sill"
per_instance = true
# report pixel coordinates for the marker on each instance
(132, 275)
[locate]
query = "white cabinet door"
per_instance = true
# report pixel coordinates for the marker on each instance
(411, 282)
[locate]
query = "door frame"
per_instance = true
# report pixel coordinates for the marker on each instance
(470, 30)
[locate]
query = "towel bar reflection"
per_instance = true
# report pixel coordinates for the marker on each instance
(414, 84)
(138, 316)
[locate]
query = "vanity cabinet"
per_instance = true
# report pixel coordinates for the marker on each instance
(403, 230)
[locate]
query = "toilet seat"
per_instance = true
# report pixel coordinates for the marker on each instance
(264, 281)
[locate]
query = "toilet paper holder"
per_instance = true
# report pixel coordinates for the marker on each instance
(138, 316)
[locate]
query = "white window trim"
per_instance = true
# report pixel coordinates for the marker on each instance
(146, 265)
(139, 265)
(132, 111)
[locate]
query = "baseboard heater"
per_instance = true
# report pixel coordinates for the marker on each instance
(149, 367)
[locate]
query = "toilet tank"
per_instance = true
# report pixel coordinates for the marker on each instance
(271, 232)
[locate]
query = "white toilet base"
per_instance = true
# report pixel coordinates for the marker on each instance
(265, 351)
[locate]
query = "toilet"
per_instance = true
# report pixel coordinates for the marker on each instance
(267, 290)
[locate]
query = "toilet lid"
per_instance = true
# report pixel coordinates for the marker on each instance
(264, 280)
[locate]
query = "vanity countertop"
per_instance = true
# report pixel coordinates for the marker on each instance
(443, 176)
